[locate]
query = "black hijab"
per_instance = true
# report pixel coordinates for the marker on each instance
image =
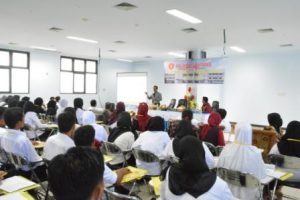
(191, 175)
(275, 120)
(289, 144)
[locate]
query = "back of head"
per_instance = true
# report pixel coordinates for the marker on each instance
(275, 120)
(21, 104)
(292, 131)
(187, 115)
(88, 118)
(120, 107)
(78, 103)
(107, 106)
(57, 98)
(13, 103)
(156, 123)
(222, 113)
(214, 119)
(66, 122)
(51, 104)
(38, 101)
(29, 107)
(243, 133)
(12, 116)
(17, 97)
(93, 103)
(70, 110)
(124, 120)
(184, 128)
(205, 99)
(76, 174)
(143, 109)
(84, 136)
(25, 98)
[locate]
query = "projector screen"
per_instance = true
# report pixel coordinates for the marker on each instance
(131, 87)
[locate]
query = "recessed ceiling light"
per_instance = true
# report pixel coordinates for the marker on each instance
(179, 55)
(148, 56)
(189, 30)
(124, 60)
(43, 48)
(186, 17)
(265, 30)
(82, 39)
(112, 51)
(237, 49)
(55, 29)
(13, 43)
(125, 6)
(119, 42)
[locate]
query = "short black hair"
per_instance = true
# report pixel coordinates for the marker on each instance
(12, 116)
(17, 97)
(28, 107)
(75, 174)
(25, 98)
(52, 98)
(2, 111)
(222, 112)
(65, 122)
(156, 123)
(13, 103)
(38, 101)
(21, 104)
(57, 98)
(107, 105)
(84, 136)
(70, 110)
(187, 114)
(155, 86)
(78, 103)
(93, 103)
(205, 99)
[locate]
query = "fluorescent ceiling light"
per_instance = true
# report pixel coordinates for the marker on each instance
(238, 49)
(82, 39)
(180, 55)
(184, 16)
(124, 60)
(43, 48)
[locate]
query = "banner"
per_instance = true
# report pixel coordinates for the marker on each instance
(209, 71)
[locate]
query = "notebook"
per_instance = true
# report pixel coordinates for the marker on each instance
(16, 183)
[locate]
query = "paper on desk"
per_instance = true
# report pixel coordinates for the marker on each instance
(155, 182)
(13, 196)
(279, 174)
(135, 174)
(15, 183)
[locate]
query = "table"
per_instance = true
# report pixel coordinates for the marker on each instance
(169, 115)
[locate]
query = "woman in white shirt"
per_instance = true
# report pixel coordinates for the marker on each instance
(31, 119)
(242, 156)
(154, 140)
(183, 129)
(78, 104)
(190, 178)
(63, 103)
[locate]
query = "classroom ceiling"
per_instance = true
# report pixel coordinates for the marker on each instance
(148, 30)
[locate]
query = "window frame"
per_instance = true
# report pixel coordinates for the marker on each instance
(10, 67)
(78, 72)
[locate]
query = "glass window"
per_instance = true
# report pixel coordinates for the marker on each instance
(79, 83)
(66, 64)
(4, 80)
(91, 66)
(4, 58)
(20, 60)
(79, 65)
(66, 82)
(91, 83)
(19, 81)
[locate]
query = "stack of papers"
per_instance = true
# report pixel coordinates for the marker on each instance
(135, 174)
(17, 196)
(16, 183)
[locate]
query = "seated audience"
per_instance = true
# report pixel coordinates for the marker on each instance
(94, 109)
(78, 104)
(142, 118)
(63, 103)
(62, 141)
(33, 122)
(183, 129)
(85, 136)
(21, 104)
(243, 157)
(77, 175)
(122, 136)
(225, 125)
(187, 115)
(154, 140)
(191, 177)
(212, 132)
(25, 98)
(206, 107)
(107, 112)
(114, 116)
(39, 106)
(289, 145)
(275, 122)
(51, 108)
(13, 103)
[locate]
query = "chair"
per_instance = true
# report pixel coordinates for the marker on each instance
(182, 102)
(240, 179)
(215, 150)
(215, 106)
(111, 149)
(110, 195)
(172, 104)
(264, 139)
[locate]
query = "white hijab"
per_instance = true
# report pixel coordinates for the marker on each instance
(242, 156)
(88, 118)
(63, 103)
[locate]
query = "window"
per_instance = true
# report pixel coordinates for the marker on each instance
(131, 87)
(78, 75)
(14, 71)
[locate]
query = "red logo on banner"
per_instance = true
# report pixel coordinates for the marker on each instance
(171, 66)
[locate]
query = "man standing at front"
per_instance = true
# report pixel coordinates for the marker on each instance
(156, 96)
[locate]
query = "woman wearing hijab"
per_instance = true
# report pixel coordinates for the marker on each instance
(89, 118)
(39, 103)
(183, 129)
(289, 145)
(243, 157)
(122, 136)
(154, 140)
(142, 118)
(114, 116)
(63, 103)
(275, 122)
(190, 178)
(78, 104)
(212, 131)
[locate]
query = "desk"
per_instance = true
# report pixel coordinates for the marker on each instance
(167, 115)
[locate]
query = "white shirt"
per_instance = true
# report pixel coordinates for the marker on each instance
(3, 131)
(16, 142)
(219, 191)
(97, 111)
(100, 133)
(226, 125)
(209, 158)
(34, 122)
(79, 113)
(57, 144)
(109, 176)
(155, 142)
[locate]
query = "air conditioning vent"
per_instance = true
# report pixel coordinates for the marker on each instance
(125, 6)
(265, 30)
(286, 45)
(55, 29)
(112, 51)
(189, 30)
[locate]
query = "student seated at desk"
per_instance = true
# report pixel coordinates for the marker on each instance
(289, 145)
(84, 137)
(51, 108)
(225, 125)
(63, 104)
(154, 140)
(39, 106)
(206, 107)
(212, 131)
(275, 123)
(78, 104)
(142, 118)
(243, 157)
(77, 175)
(190, 178)
(62, 141)
(184, 129)
(15, 141)
(94, 109)
(115, 114)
